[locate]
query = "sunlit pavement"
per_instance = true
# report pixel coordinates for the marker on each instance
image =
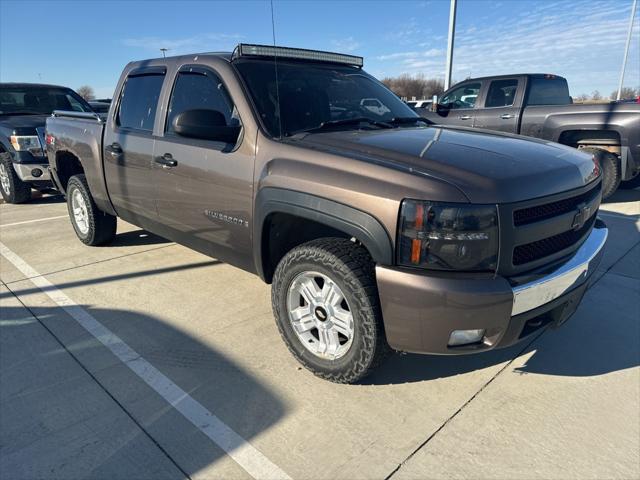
(73, 405)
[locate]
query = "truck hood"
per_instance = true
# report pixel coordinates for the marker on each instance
(22, 124)
(488, 167)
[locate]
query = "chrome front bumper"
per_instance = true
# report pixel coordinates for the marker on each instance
(567, 277)
(25, 171)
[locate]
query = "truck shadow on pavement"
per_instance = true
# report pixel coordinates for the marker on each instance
(218, 383)
(116, 278)
(46, 199)
(136, 238)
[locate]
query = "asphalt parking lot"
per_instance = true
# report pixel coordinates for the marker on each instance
(146, 360)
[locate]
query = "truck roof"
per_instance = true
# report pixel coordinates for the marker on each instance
(493, 77)
(27, 84)
(244, 50)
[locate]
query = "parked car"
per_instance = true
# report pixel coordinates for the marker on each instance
(416, 104)
(23, 109)
(629, 100)
(375, 231)
(539, 105)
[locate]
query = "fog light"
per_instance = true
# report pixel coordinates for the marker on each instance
(36, 172)
(463, 337)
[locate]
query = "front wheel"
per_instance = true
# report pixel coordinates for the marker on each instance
(13, 189)
(92, 226)
(325, 301)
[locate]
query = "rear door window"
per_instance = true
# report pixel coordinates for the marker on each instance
(501, 93)
(139, 102)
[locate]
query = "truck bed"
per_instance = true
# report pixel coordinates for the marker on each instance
(79, 135)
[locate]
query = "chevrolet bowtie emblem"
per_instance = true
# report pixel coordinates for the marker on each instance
(583, 212)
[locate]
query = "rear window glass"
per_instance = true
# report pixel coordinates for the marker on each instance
(139, 101)
(548, 91)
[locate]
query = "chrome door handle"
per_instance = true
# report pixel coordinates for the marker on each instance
(166, 161)
(114, 150)
(465, 117)
(506, 116)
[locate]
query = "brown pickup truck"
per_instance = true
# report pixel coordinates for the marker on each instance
(377, 231)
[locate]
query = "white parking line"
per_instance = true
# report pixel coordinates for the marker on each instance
(248, 457)
(34, 221)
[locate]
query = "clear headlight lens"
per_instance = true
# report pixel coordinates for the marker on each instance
(27, 143)
(442, 236)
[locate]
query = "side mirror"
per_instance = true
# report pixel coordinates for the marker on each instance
(434, 103)
(205, 125)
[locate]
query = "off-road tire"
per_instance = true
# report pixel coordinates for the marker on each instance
(102, 226)
(19, 191)
(631, 184)
(610, 165)
(352, 269)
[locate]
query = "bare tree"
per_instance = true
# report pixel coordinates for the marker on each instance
(86, 92)
(408, 86)
(627, 92)
(583, 97)
(596, 95)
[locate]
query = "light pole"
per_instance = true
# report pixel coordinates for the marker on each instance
(452, 33)
(163, 50)
(626, 48)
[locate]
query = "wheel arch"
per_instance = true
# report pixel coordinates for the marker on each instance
(67, 164)
(281, 212)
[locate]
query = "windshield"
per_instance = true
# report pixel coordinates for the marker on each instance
(313, 94)
(25, 100)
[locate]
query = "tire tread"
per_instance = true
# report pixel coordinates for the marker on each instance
(358, 270)
(102, 226)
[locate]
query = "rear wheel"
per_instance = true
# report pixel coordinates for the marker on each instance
(92, 226)
(325, 301)
(13, 189)
(610, 166)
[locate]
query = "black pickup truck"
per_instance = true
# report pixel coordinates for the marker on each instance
(24, 108)
(539, 105)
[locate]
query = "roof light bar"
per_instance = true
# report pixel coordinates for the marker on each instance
(246, 50)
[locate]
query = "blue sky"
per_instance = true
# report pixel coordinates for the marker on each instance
(78, 43)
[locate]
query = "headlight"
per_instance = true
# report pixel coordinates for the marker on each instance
(442, 236)
(27, 143)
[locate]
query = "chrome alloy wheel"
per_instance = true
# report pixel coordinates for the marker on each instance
(4, 179)
(80, 214)
(320, 315)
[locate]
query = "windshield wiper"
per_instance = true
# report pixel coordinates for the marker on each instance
(406, 120)
(343, 121)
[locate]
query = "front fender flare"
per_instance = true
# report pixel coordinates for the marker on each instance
(356, 223)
